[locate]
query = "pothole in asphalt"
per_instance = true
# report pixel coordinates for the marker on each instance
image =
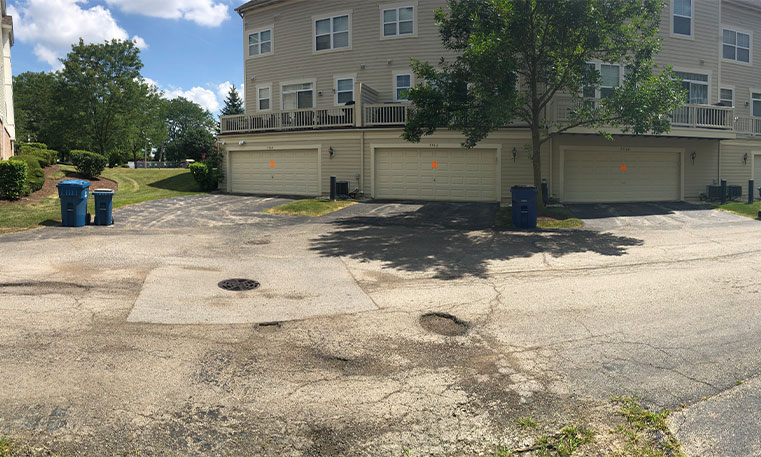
(238, 285)
(257, 242)
(269, 327)
(443, 324)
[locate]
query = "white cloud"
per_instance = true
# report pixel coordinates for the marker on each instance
(52, 26)
(203, 97)
(209, 13)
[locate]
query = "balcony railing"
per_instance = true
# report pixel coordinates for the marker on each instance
(289, 120)
(748, 126)
(693, 116)
(367, 114)
(385, 115)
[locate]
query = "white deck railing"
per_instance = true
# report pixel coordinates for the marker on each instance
(694, 116)
(385, 115)
(748, 126)
(342, 116)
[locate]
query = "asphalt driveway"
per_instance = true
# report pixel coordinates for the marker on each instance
(117, 340)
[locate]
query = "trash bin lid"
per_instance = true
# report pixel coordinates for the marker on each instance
(103, 191)
(74, 183)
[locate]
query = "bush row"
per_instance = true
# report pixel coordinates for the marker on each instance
(206, 176)
(35, 178)
(88, 163)
(13, 179)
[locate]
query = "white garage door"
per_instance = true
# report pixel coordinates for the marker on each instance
(617, 176)
(757, 173)
(436, 174)
(277, 172)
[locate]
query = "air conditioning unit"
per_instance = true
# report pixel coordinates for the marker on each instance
(342, 188)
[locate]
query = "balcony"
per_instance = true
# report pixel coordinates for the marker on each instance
(368, 113)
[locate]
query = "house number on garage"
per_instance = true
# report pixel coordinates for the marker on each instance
(433, 145)
(625, 149)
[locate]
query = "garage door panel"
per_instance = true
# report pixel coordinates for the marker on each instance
(597, 176)
(295, 172)
(460, 175)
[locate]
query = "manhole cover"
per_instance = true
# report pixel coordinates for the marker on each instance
(443, 324)
(238, 284)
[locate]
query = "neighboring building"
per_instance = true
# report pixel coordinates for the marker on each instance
(7, 120)
(326, 86)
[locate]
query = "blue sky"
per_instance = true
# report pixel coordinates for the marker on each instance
(190, 48)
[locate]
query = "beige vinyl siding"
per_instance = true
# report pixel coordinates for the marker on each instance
(699, 54)
(374, 60)
(733, 168)
(742, 76)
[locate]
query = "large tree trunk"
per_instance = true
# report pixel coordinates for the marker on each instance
(536, 148)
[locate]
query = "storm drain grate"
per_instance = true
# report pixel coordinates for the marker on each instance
(238, 285)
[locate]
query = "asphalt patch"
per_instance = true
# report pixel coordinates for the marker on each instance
(443, 324)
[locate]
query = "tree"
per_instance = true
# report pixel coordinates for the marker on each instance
(102, 88)
(190, 130)
(146, 125)
(233, 103)
(513, 57)
(40, 116)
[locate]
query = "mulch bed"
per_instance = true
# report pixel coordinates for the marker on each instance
(49, 188)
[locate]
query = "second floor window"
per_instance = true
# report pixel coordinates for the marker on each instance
(264, 98)
(736, 46)
(727, 97)
(260, 43)
(610, 79)
(682, 24)
(399, 21)
(344, 91)
(696, 86)
(332, 33)
(402, 84)
(756, 100)
(298, 96)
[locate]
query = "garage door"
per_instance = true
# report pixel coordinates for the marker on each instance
(278, 172)
(436, 174)
(616, 176)
(757, 171)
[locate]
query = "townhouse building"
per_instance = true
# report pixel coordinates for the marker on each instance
(326, 95)
(7, 121)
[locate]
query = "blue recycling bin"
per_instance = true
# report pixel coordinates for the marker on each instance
(104, 205)
(524, 206)
(73, 194)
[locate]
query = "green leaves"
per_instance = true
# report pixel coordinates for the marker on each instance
(233, 103)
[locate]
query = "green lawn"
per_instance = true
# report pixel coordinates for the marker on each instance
(135, 186)
(549, 218)
(310, 207)
(742, 208)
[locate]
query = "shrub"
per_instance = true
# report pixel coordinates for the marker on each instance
(206, 177)
(32, 161)
(36, 145)
(13, 176)
(88, 163)
(47, 156)
(39, 154)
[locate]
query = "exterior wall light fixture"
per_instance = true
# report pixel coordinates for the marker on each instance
(693, 155)
(515, 154)
(745, 158)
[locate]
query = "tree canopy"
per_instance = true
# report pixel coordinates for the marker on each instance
(513, 58)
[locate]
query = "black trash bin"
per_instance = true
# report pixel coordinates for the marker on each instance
(524, 206)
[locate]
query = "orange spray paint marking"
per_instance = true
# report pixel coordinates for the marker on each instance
(623, 167)
(272, 164)
(434, 164)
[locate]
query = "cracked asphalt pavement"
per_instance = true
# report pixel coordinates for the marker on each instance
(660, 301)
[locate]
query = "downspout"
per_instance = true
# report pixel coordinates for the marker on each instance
(362, 162)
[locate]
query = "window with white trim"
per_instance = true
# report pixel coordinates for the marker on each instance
(696, 85)
(682, 20)
(332, 33)
(727, 96)
(298, 96)
(260, 43)
(344, 90)
(399, 21)
(402, 85)
(736, 46)
(610, 79)
(264, 97)
(756, 101)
